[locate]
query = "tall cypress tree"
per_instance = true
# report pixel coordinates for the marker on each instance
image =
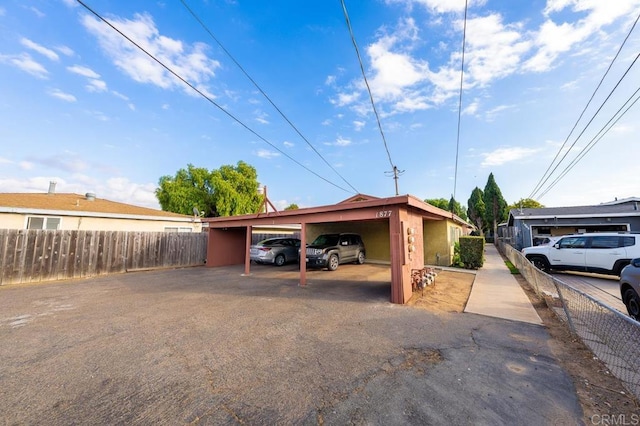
(496, 206)
(476, 209)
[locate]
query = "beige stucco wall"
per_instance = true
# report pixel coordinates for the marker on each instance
(19, 221)
(12, 221)
(439, 241)
(374, 233)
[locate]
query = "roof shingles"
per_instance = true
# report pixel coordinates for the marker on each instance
(69, 202)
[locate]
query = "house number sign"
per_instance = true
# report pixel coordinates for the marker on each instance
(383, 213)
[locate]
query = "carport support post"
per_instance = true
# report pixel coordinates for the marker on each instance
(303, 254)
(247, 249)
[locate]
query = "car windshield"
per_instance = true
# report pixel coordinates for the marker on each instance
(329, 240)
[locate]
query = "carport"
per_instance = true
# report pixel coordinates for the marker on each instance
(396, 231)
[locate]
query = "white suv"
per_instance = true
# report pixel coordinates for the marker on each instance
(602, 252)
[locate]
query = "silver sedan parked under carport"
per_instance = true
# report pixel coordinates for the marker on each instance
(277, 251)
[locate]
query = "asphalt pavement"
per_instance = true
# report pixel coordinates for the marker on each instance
(208, 346)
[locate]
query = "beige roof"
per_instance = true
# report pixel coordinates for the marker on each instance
(75, 203)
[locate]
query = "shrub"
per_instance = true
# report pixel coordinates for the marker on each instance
(457, 261)
(471, 252)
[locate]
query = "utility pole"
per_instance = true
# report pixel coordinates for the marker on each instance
(396, 174)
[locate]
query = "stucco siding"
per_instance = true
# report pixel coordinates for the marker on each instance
(76, 223)
(439, 241)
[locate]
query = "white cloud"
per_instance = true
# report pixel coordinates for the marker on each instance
(96, 86)
(188, 61)
(472, 108)
(27, 64)
(340, 141)
(553, 39)
(264, 153)
(57, 93)
(440, 6)
(37, 12)
(288, 144)
(40, 49)
(346, 98)
(118, 189)
(358, 125)
(502, 156)
(98, 115)
(493, 112)
(83, 71)
(261, 117)
(402, 80)
(65, 50)
(66, 162)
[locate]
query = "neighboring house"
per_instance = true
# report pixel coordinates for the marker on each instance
(66, 211)
(527, 226)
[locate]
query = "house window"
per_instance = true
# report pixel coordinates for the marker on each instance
(177, 229)
(40, 222)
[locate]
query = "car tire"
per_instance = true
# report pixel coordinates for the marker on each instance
(540, 263)
(279, 260)
(360, 258)
(333, 262)
(632, 302)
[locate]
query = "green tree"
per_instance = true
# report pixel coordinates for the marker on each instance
(449, 205)
(495, 204)
(230, 190)
(458, 209)
(476, 209)
(440, 203)
(525, 203)
(292, 206)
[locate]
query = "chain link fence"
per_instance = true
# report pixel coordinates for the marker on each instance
(611, 335)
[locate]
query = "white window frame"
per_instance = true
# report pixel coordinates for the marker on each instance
(177, 229)
(45, 222)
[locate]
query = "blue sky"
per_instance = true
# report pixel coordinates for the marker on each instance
(82, 106)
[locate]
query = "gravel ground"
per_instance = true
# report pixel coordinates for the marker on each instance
(209, 346)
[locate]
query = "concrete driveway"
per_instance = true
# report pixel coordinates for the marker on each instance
(208, 346)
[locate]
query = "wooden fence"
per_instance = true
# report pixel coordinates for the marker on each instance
(44, 255)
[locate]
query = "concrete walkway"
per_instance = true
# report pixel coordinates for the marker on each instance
(496, 293)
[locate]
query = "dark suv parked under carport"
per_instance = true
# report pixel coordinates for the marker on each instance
(330, 250)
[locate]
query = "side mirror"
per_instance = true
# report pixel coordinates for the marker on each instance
(636, 262)
(556, 245)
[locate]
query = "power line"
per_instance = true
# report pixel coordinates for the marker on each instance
(366, 82)
(464, 38)
(543, 180)
(592, 118)
(234, 118)
(603, 131)
(205, 27)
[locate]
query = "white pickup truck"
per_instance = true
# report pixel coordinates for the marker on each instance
(602, 252)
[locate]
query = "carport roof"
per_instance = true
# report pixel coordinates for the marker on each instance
(356, 202)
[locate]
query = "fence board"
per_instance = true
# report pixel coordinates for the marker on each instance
(44, 255)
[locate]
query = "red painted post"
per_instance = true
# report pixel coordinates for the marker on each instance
(303, 254)
(247, 254)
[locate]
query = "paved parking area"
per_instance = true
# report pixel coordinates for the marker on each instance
(209, 346)
(603, 288)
